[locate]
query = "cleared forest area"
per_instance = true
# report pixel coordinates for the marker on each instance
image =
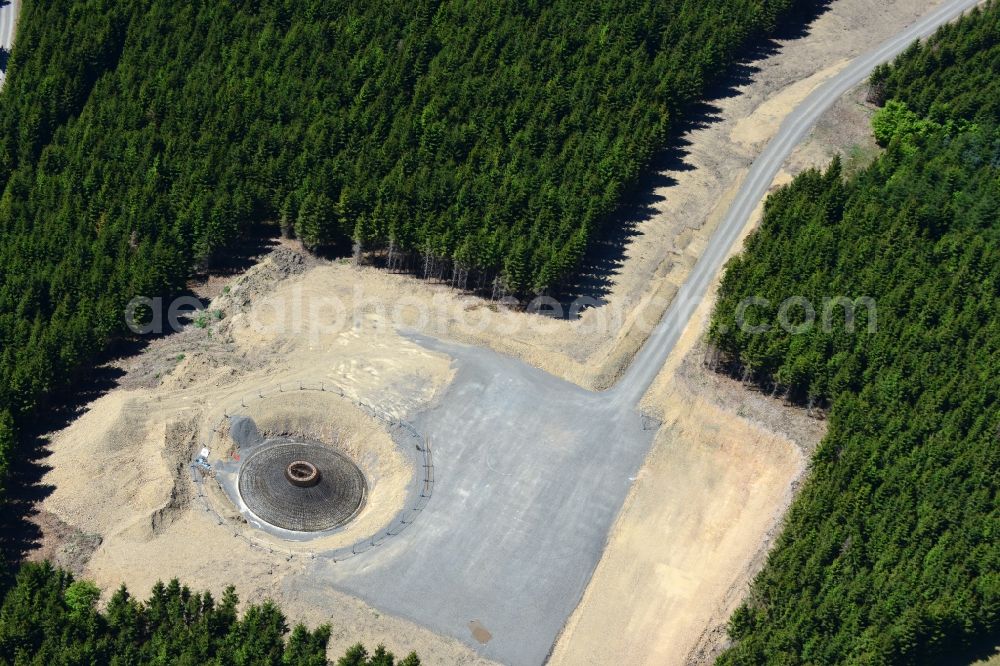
(484, 144)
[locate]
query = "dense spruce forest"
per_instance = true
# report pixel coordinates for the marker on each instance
(49, 618)
(482, 143)
(891, 552)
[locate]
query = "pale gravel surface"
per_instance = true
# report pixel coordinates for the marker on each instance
(534, 470)
(697, 579)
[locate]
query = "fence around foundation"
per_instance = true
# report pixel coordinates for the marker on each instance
(421, 494)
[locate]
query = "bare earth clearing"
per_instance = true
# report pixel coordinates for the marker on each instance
(724, 467)
(699, 517)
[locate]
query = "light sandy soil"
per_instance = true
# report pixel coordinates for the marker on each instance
(120, 471)
(675, 227)
(698, 522)
(680, 550)
(702, 511)
(709, 501)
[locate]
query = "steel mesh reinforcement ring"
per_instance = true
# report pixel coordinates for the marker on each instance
(301, 486)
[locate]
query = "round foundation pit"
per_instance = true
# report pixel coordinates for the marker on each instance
(301, 486)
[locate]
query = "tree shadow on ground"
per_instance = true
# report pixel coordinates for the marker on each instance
(607, 253)
(981, 649)
(20, 533)
(241, 253)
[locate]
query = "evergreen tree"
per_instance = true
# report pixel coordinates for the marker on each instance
(47, 617)
(888, 553)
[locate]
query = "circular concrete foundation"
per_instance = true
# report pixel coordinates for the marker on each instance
(301, 486)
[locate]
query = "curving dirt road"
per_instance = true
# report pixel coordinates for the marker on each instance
(650, 358)
(531, 470)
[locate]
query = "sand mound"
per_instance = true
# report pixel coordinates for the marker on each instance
(328, 420)
(114, 458)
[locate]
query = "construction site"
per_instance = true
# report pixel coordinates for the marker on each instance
(433, 471)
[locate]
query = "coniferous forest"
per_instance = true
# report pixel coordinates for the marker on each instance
(49, 618)
(487, 144)
(483, 143)
(891, 553)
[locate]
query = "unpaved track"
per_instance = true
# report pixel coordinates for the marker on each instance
(532, 470)
(650, 358)
(9, 11)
